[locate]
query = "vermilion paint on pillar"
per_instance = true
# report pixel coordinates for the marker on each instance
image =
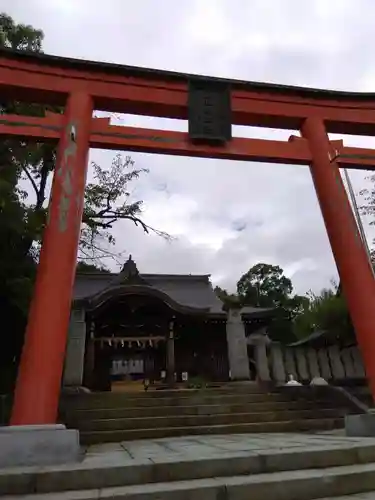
(39, 378)
(350, 255)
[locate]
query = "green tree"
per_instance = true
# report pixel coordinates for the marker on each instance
(19, 36)
(326, 312)
(230, 300)
(17, 267)
(107, 200)
(264, 285)
(85, 268)
(23, 213)
(368, 208)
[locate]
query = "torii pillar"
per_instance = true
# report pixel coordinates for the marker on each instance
(39, 377)
(351, 258)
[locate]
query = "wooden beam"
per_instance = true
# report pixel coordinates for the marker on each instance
(106, 136)
(50, 81)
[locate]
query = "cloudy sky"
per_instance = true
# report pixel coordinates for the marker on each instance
(225, 216)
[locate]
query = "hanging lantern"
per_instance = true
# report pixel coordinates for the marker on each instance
(122, 343)
(138, 343)
(150, 342)
(130, 344)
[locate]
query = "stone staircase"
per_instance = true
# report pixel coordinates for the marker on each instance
(236, 467)
(116, 417)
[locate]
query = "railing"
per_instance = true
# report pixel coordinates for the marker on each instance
(340, 366)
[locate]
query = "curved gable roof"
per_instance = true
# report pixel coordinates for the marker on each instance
(134, 289)
(186, 293)
(190, 292)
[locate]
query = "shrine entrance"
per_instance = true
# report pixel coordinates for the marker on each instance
(128, 343)
(129, 363)
(127, 328)
(212, 106)
(135, 339)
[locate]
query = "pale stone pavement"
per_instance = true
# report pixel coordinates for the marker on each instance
(215, 446)
(232, 466)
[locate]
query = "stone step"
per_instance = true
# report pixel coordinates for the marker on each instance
(305, 484)
(115, 424)
(122, 400)
(117, 469)
(232, 388)
(210, 409)
(305, 425)
(370, 495)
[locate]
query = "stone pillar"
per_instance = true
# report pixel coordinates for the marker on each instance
(237, 346)
(338, 371)
(89, 359)
(324, 363)
(277, 363)
(303, 372)
(170, 355)
(290, 363)
(312, 361)
(260, 341)
(75, 349)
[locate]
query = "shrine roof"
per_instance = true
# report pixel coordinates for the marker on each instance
(192, 291)
(148, 73)
(188, 290)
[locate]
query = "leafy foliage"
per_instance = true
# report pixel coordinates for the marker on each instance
(230, 300)
(19, 36)
(23, 212)
(17, 269)
(295, 316)
(83, 267)
(325, 312)
(21, 159)
(368, 209)
(107, 201)
(264, 285)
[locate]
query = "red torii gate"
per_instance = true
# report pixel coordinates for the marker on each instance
(82, 86)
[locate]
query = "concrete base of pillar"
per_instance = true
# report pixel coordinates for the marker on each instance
(23, 445)
(360, 425)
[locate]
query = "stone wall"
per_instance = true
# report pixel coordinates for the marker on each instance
(337, 365)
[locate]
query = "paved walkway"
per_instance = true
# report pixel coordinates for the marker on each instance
(206, 447)
(228, 466)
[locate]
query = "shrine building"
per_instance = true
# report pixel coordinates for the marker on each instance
(160, 327)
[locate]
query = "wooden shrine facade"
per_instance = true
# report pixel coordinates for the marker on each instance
(162, 328)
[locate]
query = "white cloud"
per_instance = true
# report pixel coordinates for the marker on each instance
(227, 216)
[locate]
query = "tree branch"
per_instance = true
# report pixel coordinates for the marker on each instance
(105, 254)
(30, 177)
(42, 187)
(117, 216)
